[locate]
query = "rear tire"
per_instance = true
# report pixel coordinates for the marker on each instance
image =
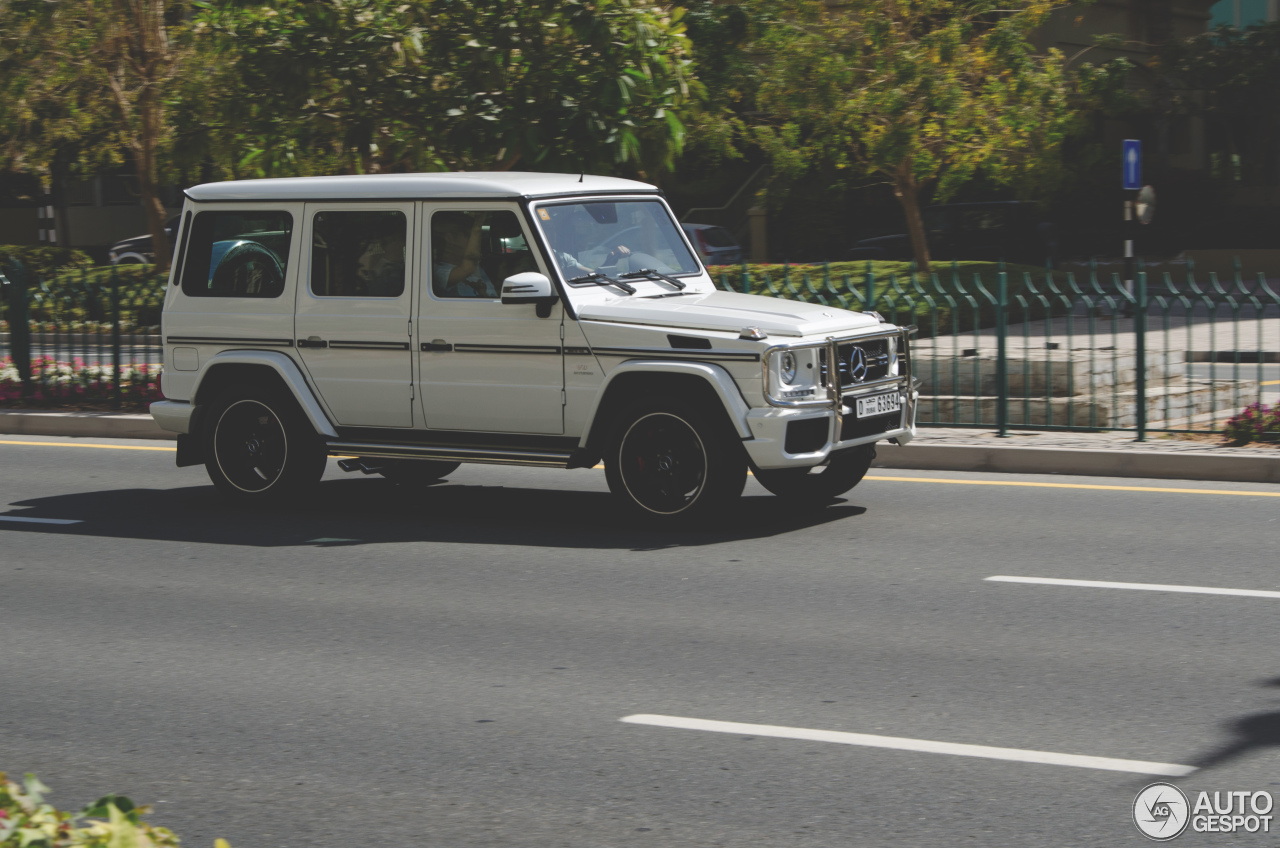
(416, 472)
(829, 482)
(674, 461)
(259, 447)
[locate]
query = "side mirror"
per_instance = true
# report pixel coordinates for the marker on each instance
(530, 287)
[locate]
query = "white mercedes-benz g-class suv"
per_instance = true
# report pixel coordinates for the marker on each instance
(413, 322)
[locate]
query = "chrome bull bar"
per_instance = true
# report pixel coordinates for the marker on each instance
(904, 380)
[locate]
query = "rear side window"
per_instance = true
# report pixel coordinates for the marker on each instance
(237, 254)
(358, 254)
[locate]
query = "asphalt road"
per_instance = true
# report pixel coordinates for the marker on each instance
(450, 668)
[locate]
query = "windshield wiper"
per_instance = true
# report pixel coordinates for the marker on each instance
(651, 274)
(603, 280)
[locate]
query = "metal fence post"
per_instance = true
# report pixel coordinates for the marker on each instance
(19, 324)
(1140, 340)
(1002, 360)
(115, 339)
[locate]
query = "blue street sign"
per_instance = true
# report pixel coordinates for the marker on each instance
(1132, 163)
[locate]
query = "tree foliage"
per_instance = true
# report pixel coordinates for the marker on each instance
(1229, 77)
(375, 85)
(88, 79)
(924, 94)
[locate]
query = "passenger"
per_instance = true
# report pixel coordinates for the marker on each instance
(381, 267)
(457, 271)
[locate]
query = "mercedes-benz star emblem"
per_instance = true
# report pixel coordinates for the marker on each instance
(858, 364)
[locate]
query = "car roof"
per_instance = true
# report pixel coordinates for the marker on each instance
(490, 185)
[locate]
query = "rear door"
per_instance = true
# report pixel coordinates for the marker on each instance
(354, 308)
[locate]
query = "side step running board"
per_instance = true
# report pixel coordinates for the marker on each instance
(489, 456)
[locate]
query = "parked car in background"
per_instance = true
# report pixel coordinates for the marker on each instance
(137, 250)
(1015, 231)
(715, 245)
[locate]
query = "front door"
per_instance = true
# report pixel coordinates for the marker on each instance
(483, 366)
(354, 308)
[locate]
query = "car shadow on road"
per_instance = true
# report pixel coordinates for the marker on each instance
(1248, 735)
(369, 511)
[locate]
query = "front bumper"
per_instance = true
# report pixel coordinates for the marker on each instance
(768, 447)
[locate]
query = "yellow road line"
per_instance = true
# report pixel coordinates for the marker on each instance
(1270, 383)
(89, 445)
(944, 480)
(1028, 484)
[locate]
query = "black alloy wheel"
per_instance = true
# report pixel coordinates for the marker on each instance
(672, 460)
(824, 483)
(258, 445)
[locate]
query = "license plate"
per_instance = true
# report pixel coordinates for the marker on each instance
(879, 404)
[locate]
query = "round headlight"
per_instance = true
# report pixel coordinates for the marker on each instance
(788, 369)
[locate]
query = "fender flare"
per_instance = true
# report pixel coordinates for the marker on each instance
(719, 379)
(287, 370)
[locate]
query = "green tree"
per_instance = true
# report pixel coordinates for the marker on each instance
(924, 94)
(1229, 77)
(91, 74)
(377, 85)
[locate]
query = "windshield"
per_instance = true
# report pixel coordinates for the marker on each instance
(614, 238)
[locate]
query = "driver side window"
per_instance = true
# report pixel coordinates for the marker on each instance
(473, 251)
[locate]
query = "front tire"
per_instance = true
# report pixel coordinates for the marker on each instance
(832, 480)
(674, 461)
(259, 447)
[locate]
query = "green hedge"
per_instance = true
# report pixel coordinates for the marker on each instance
(42, 260)
(954, 298)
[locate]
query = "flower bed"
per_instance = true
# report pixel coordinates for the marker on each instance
(1257, 423)
(78, 385)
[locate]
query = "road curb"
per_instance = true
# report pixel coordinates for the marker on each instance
(1172, 465)
(102, 425)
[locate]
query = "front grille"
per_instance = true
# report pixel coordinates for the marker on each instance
(876, 361)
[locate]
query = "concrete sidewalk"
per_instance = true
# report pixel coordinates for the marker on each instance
(1112, 454)
(1084, 454)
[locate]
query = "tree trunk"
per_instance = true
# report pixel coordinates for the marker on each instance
(145, 152)
(907, 191)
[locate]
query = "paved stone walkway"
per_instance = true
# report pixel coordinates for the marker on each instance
(1115, 440)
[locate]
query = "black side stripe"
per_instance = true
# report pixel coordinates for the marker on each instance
(490, 348)
(668, 353)
(227, 340)
(348, 345)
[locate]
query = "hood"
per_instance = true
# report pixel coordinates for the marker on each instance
(730, 312)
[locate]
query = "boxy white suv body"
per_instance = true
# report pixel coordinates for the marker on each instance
(418, 321)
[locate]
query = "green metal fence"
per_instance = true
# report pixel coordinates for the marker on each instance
(1176, 350)
(88, 336)
(1169, 351)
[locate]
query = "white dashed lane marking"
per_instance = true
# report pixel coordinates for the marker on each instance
(24, 520)
(1146, 587)
(925, 746)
